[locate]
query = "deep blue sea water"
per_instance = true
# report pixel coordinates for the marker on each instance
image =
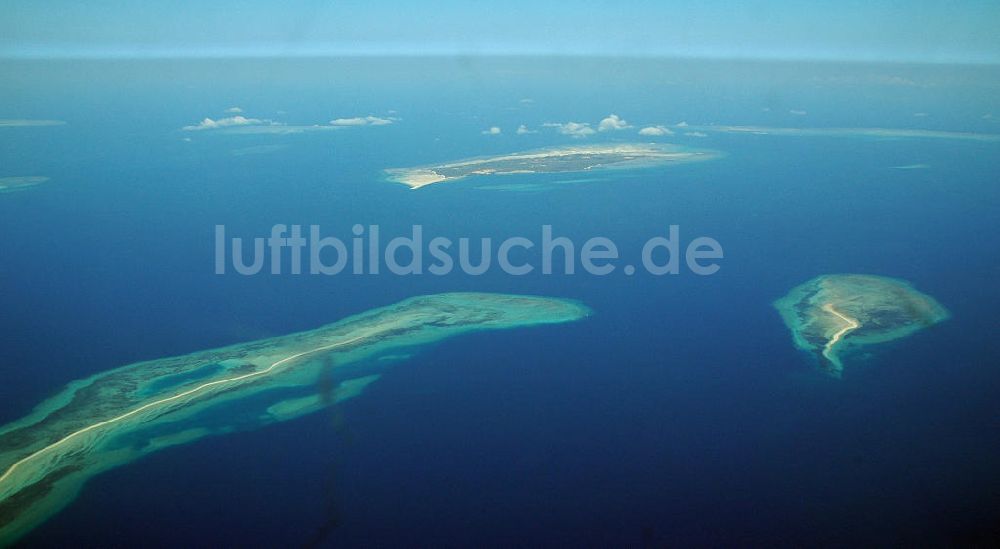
(680, 412)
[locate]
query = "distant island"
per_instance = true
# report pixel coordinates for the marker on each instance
(882, 133)
(14, 184)
(832, 313)
(577, 158)
(117, 416)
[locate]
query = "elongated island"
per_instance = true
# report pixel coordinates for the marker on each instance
(117, 416)
(831, 314)
(577, 158)
(14, 184)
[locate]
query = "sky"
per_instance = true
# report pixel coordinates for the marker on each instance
(870, 30)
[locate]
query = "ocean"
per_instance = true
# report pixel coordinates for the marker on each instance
(679, 412)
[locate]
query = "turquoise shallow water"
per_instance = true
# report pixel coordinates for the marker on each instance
(180, 379)
(680, 411)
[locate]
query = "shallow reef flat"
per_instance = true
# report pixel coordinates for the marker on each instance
(117, 416)
(832, 314)
(579, 158)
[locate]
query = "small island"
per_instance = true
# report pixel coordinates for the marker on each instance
(118, 416)
(578, 158)
(876, 133)
(14, 184)
(831, 314)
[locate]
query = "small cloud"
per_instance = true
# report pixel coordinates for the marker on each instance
(526, 101)
(523, 130)
(920, 114)
(494, 130)
(988, 116)
(210, 124)
(696, 134)
(186, 139)
(682, 124)
(612, 122)
(656, 130)
(362, 121)
(233, 110)
(572, 129)
(797, 112)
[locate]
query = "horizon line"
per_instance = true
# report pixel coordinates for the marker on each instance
(28, 53)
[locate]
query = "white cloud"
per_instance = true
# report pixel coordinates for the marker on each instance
(696, 134)
(527, 101)
(612, 122)
(656, 130)
(920, 114)
(209, 124)
(522, 130)
(572, 129)
(234, 110)
(682, 124)
(798, 112)
(362, 121)
(243, 125)
(494, 130)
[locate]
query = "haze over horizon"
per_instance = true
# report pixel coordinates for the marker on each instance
(923, 31)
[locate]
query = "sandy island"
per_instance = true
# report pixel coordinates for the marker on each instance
(577, 158)
(832, 314)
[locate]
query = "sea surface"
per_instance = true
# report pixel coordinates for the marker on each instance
(680, 412)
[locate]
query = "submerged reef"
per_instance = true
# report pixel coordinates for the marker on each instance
(832, 314)
(117, 416)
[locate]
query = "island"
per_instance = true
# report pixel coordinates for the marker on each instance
(577, 158)
(876, 133)
(117, 416)
(14, 184)
(832, 314)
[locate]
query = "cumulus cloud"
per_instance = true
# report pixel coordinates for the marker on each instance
(696, 134)
(523, 130)
(494, 130)
(572, 129)
(362, 121)
(656, 130)
(682, 124)
(210, 124)
(233, 110)
(612, 122)
(242, 124)
(797, 112)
